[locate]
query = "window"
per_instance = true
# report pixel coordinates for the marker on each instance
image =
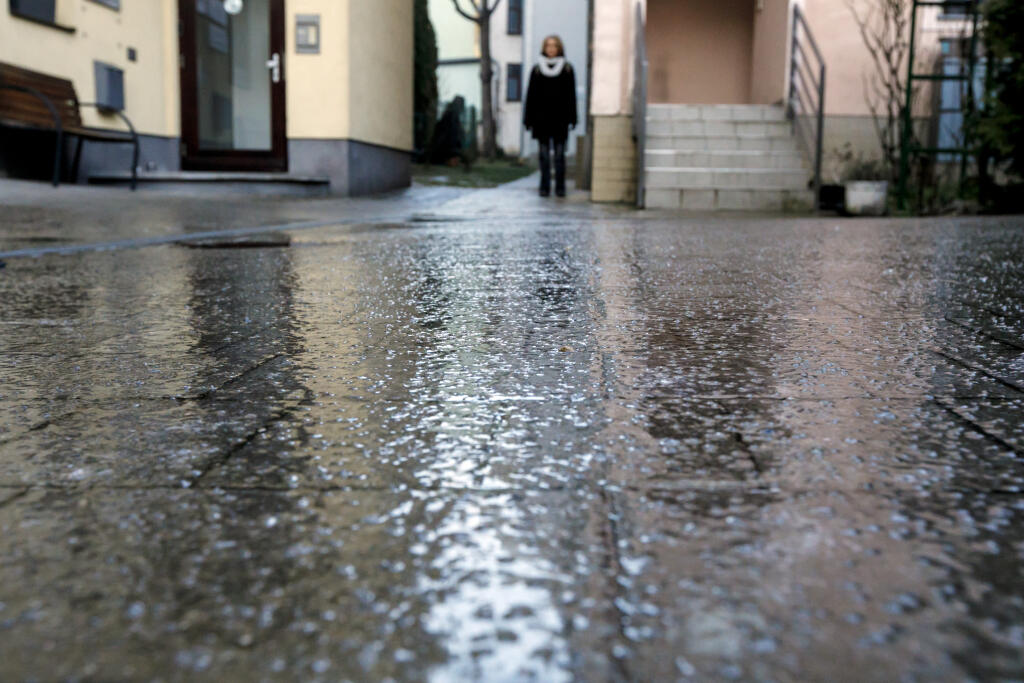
(112, 4)
(39, 10)
(955, 47)
(515, 17)
(955, 9)
(514, 81)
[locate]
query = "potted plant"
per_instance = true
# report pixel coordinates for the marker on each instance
(865, 188)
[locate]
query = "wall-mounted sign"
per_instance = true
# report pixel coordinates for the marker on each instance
(307, 33)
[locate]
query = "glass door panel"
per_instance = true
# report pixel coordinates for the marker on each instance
(233, 80)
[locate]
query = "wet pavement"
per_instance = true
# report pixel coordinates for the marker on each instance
(482, 436)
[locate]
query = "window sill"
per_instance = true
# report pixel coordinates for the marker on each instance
(42, 22)
(113, 6)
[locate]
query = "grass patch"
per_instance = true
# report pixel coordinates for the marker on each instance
(481, 174)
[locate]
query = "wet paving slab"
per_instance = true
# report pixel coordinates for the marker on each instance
(510, 440)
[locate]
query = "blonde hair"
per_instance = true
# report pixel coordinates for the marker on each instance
(558, 42)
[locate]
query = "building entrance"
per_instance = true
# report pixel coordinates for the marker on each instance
(700, 51)
(232, 85)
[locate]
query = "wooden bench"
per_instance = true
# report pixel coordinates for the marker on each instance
(32, 100)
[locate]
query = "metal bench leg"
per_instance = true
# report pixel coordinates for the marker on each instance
(135, 162)
(57, 157)
(77, 160)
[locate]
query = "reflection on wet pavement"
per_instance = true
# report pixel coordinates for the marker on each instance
(590, 446)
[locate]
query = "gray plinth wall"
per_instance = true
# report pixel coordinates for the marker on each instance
(155, 154)
(355, 168)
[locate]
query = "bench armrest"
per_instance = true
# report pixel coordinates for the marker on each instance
(105, 110)
(57, 124)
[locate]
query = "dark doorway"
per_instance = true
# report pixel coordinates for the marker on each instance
(233, 86)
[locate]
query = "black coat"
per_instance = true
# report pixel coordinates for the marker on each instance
(550, 104)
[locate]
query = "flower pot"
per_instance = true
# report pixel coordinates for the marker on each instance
(866, 197)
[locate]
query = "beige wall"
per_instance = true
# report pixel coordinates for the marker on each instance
(612, 80)
(360, 85)
(318, 85)
(843, 135)
(700, 51)
(770, 52)
(613, 162)
(751, 68)
(380, 67)
(103, 34)
(847, 59)
(849, 125)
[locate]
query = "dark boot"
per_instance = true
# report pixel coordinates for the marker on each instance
(545, 167)
(560, 168)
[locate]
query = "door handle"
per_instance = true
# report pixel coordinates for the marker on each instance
(274, 64)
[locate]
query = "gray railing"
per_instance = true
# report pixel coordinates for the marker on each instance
(640, 103)
(806, 108)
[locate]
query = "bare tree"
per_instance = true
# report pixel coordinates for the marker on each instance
(885, 29)
(480, 14)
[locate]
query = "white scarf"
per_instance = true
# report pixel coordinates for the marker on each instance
(551, 67)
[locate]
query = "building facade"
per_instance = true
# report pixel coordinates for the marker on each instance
(304, 87)
(458, 71)
(737, 53)
(517, 29)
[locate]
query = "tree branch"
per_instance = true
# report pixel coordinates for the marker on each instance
(458, 8)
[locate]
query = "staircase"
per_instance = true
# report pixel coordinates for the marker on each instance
(722, 158)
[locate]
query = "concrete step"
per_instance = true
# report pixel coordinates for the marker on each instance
(701, 143)
(698, 199)
(726, 178)
(715, 112)
(668, 158)
(220, 183)
(769, 129)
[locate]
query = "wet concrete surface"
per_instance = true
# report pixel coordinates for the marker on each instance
(504, 438)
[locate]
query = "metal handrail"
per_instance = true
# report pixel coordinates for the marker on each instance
(640, 104)
(802, 100)
(131, 131)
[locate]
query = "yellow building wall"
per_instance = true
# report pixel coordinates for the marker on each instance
(358, 87)
(104, 34)
(381, 72)
(318, 86)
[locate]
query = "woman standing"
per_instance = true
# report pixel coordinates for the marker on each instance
(551, 111)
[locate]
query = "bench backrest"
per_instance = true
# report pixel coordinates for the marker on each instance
(17, 105)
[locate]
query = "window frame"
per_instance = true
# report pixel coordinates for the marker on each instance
(39, 18)
(515, 9)
(954, 12)
(518, 80)
(110, 4)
